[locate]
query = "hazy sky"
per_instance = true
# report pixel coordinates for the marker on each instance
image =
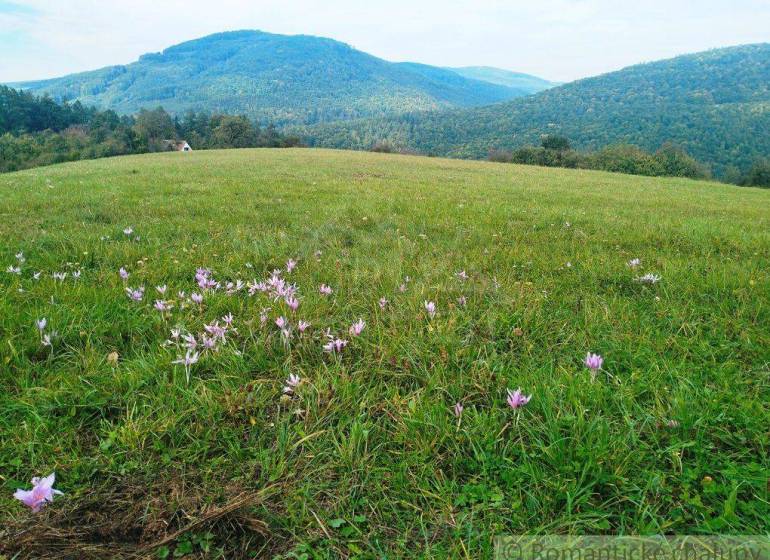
(555, 39)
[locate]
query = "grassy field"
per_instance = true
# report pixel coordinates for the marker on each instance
(365, 457)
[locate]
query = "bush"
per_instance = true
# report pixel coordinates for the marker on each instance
(382, 146)
(531, 155)
(555, 143)
(759, 175)
(675, 162)
(624, 158)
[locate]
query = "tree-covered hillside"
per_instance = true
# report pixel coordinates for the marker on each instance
(277, 78)
(714, 104)
(37, 131)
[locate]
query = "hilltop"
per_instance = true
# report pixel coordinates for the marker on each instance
(714, 104)
(281, 441)
(297, 79)
(526, 83)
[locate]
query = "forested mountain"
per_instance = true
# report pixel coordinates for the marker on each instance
(525, 83)
(714, 104)
(277, 78)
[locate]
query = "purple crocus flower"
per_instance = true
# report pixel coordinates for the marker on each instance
(593, 361)
(357, 328)
(290, 264)
(516, 399)
(135, 294)
(281, 322)
(430, 307)
(462, 275)
(189, 359)
(161, 289)
(123, 273)
(42, 492)
(383, 303)
(302, 326)
(41, 323)
(649, 279)
(190, 342)
(325, 290)
(196, 298)
(228, 319)
(462, 301)
(162, 305)
(334, 344)
(458, 409)
(292, 382)
(216, 330)
(286, 334)
(292, 302)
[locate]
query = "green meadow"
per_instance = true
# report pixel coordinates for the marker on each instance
(364, 457)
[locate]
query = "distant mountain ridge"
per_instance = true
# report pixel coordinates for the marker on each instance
(296, 79)
(714, 104)
(525, 83)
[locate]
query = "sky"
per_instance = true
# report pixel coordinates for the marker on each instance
(560, 40)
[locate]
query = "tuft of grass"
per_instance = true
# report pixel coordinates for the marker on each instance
(366, 459)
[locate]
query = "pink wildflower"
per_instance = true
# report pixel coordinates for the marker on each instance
(516, 399)
(42, 492)
(357, 328)
(593, 361)
(292, 382)
(430, 307)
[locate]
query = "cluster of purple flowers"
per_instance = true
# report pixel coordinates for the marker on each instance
(214, 336)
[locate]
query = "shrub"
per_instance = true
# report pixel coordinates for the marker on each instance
(555, 143)
(382, 146)
(625, 158)
(759, 175)
(675, 162)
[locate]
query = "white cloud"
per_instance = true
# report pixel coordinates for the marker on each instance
(558, 39)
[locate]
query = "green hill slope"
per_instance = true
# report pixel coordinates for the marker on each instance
(280, 78)
(363, 456)
(715, 104)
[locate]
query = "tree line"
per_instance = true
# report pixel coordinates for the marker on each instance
(37, 131)
(668, 161)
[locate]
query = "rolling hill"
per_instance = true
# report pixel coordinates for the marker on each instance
(516, 80)
(715, 104)
(363, 452)
(279, 78)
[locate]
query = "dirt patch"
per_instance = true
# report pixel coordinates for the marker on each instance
(132, 521)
